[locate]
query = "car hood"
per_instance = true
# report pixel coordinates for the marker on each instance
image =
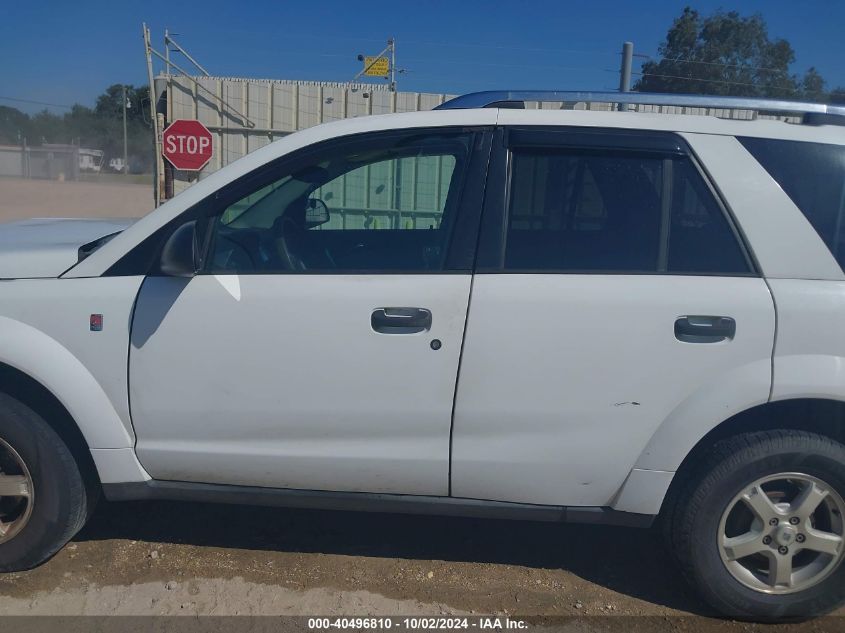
(47, 247)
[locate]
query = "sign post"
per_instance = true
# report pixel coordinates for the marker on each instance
(186, 144)
(381, 65)
(376, 66)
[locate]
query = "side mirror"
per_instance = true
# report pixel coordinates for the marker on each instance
(316, 213)
(180, 255)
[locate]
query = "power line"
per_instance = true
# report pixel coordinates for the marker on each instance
(682, 60)
(507, 48)
(44, 103)
(711, 81)
(462, 62)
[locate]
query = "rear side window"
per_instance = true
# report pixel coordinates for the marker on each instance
(813, 176)
(598, 211)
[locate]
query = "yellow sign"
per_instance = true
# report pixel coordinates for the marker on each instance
(376, 66)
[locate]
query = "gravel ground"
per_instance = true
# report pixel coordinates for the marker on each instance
(165, 558)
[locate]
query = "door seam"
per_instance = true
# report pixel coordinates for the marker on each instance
(129, 364)
(458, 380)
(774, 341)
(490, 150)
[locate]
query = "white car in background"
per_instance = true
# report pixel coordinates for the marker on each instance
(608, 317)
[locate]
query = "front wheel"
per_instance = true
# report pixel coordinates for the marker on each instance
(43, 498)
(760, 531)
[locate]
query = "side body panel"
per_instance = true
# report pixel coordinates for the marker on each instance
(45, 333)
(565, 378)
(280, 381)
(810, 350)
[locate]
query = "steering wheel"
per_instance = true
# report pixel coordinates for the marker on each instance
(239, 256)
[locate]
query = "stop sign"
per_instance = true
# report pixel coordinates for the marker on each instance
(187, 144)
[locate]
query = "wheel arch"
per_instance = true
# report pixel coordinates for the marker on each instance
(671, 456)
(30, 392)
(52, 365)
(823, 416)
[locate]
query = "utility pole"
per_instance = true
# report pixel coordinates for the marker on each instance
(125, 153)
(625, 71)
(391, 43)
(157, 184)
(167, 52)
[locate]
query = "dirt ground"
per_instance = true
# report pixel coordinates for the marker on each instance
(166, 558)
(169, 557)
(21, 199)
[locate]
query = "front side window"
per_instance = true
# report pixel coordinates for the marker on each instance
(813, 176)
(386, 204)
(573, 210)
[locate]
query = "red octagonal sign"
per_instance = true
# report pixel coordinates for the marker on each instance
(187, 144)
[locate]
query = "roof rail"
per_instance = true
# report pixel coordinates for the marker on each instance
(818, 112)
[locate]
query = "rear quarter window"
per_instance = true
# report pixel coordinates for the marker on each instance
(813, 176)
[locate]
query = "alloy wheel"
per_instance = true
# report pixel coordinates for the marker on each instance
(17, 493)
(783, 533)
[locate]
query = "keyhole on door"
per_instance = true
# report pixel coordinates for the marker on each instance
(436, 344)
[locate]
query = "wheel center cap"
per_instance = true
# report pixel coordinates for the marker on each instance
(785, 535)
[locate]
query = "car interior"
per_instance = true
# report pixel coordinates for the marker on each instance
(286, 227)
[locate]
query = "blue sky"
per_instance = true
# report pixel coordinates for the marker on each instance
(63, 52)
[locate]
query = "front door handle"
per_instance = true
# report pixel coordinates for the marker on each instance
(704, 329)
(400, 320)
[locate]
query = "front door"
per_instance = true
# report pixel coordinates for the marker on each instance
(319, 348)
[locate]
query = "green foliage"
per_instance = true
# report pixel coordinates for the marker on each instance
(97, 128)
(837, 95)
(812, 86)
(727, 54)
(14, 126)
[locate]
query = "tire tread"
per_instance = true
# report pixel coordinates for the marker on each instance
(725, 458)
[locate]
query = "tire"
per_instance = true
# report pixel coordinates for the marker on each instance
(59, 502)
(714, 510)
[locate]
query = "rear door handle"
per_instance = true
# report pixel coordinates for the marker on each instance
(400, 320)
(704, 329)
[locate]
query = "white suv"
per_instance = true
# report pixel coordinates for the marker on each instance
(489, 311)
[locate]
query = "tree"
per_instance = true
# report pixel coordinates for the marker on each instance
(812, 86)
(725, 54)
(47, 128)
(15, 126)
(100, 127)
(109, 104)
(837, 95)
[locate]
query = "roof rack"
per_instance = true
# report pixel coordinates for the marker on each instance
(813, 112)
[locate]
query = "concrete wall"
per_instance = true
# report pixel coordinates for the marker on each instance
(46, 162)
(11, 161)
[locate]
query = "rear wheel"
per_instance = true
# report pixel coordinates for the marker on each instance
(43, 499)
(760, 532)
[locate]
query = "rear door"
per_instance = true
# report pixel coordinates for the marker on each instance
(612, 289)
(319, 347)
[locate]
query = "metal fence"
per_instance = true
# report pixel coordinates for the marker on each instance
(246, 114)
